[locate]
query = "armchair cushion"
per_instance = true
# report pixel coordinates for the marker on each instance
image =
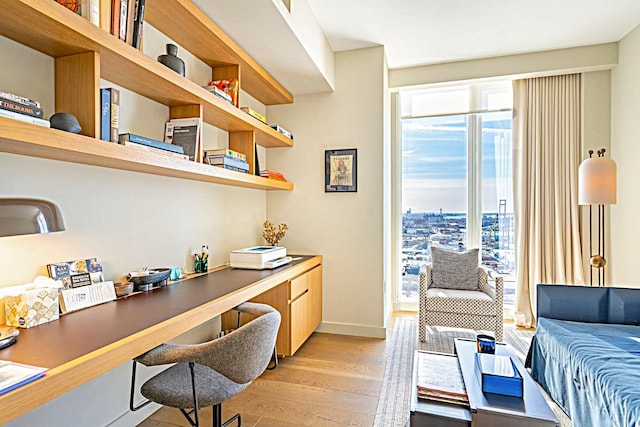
(455, 270)
(459, 301)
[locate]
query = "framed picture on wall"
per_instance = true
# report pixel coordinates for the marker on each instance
(341, 171)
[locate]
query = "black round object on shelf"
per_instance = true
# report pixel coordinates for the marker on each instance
(66, 122)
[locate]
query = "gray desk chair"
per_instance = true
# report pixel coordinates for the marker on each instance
(207, 374)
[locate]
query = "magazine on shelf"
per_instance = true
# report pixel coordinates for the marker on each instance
(185, 133)
(14, 375)
(78, 273)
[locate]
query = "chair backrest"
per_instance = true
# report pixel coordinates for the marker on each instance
(243, 354)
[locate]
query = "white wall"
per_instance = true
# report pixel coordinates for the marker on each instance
(346, 228)
(625, 150)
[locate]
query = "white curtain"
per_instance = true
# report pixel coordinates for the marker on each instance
(546, 157)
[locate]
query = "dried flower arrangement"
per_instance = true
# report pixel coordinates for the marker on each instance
(272, 233)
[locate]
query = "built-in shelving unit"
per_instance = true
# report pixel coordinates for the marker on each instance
(85, 53)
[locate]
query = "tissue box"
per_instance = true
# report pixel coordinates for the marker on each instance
(32, 307)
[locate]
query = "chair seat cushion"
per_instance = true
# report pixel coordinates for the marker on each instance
(172, 387)
(459, 301)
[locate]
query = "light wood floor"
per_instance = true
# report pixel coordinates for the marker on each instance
(332, 380)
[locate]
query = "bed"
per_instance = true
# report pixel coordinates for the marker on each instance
(586, 352)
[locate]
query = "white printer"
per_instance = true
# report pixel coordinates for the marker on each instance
(259, 257)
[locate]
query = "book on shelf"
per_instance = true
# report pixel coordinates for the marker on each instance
(20, 99)
(90, 10)
(24, 118)
(253, 113)
(266, 173)
(116, 5)
(229, 86)
(281, 130)
(150, 142)
(225, 152)
(256, 161)
(439, 378)
(124, 16)
(14, 375)
(131, 9)
(498, 374)
(228, 161)
(154, 150)
(105, 115)
(232, 168)
(74, 274)
(115, 113)
(73, 6)
(138, 20)
(219, 93)
(9, 105)
(185, 133)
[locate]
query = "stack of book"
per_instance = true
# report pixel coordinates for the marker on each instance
(228, 86)
(283, 131)
(266, 173)
(219, 93)
(228, 159)
(20, 108)
(152, 145)
(439, 379)
(253, 113)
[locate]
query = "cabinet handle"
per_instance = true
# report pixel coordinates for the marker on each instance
(299, 296)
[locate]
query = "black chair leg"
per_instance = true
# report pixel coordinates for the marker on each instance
(217, 415)
(274, 359)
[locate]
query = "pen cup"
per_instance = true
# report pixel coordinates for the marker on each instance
(201, 264)
(486, 344)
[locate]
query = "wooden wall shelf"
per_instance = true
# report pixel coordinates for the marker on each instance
(36, 141)
(85, 53)
(58, 32)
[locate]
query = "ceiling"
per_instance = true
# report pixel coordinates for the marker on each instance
(413, 32)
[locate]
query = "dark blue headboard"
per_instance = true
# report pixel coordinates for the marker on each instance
(589, 304)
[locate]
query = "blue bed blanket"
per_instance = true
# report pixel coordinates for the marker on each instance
(592, 370)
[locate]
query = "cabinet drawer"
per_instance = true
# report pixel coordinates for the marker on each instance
(298, 286)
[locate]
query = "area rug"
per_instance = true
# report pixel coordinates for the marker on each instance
(394, 402)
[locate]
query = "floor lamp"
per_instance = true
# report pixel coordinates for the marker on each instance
(597, 187)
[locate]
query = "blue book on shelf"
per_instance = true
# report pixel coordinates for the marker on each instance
(150, 142)
(224, 160)
(105, 114)
(499, 375)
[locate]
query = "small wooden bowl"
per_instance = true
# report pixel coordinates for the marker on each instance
(123, 288)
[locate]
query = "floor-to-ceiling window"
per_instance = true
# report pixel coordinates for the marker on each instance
(456, 178)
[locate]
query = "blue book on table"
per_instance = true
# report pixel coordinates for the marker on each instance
(499, 375)
(105, 114)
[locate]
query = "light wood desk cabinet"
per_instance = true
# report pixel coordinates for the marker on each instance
(299, 301)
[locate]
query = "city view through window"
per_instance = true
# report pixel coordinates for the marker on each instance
(457, 185)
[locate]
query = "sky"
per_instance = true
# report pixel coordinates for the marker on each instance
(434, 162)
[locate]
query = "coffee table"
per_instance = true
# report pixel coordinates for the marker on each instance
(485, 409)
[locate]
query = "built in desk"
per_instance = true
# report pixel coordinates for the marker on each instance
(85, 344)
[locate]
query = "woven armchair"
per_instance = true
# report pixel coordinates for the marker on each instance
(481, 309)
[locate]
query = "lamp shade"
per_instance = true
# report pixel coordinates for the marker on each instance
(29, 216)
(597, 181)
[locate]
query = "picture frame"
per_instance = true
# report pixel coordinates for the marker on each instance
(341, 171)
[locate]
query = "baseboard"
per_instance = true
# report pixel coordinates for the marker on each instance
(129, 418)
(351, 329)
